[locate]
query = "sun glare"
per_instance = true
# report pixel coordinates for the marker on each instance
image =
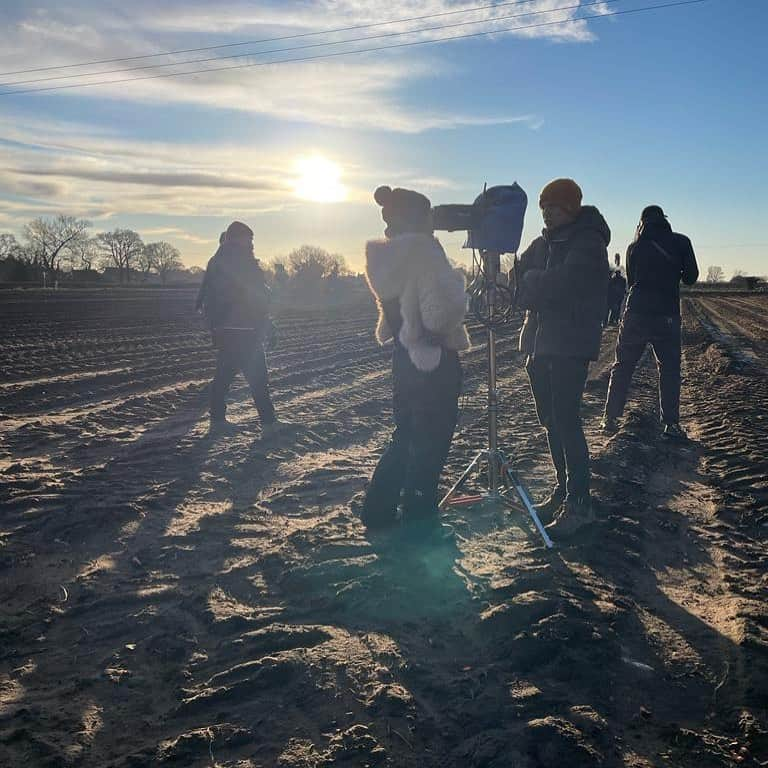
(318, 179)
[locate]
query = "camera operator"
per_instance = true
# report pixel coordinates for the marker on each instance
(234, 298)
(421, 303)
(564, 281)
(657, 261)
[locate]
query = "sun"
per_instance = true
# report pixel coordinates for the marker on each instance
(318, 179)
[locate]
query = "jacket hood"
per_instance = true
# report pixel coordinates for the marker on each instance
(590, 218)
(653, 229)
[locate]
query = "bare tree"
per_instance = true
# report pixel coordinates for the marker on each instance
(145, 262)
(164, 258)
(48, 240)
(10, 248)
(714, 274)
(82, 252)
(738, 273)
(312, 264)
(121, 248)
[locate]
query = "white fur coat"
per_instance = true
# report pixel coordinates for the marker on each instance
(414, 269)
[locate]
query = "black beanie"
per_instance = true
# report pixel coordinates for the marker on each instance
(404, 210)
(652, 212)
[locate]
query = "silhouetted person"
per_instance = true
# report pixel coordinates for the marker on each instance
(657, 261)
(564, 280)
(421, 304)
(235, 300)
(617, 288)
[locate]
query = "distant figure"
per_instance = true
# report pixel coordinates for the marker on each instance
(657, 261)
(617, 287)
(564, 284)
(421, 304)
(234, 298)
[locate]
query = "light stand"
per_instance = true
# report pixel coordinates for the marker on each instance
(502, 479)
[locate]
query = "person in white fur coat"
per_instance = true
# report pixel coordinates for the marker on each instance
(421, 303)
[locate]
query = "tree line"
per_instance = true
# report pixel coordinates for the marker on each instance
(52, 245)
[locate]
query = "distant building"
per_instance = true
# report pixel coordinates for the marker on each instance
(116, 276)
(83, 276)
(748, 283)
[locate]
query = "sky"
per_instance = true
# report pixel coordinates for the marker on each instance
(667, 106)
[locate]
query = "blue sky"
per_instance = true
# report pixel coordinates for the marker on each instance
(667, 107)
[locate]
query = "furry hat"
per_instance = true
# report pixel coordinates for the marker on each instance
(404, 211)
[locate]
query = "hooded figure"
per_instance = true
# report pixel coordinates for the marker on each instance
(234, 298)
(563, 286)
(421, 304)
(657, 261)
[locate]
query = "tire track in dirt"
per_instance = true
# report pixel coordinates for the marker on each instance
(266, 628)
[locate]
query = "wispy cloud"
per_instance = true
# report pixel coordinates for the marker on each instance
(167, 179)
(362, 91)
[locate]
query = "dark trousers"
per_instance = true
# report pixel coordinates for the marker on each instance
(425, 410)
(558, 384)
(637, 332)
(240, 351)
(613, 314)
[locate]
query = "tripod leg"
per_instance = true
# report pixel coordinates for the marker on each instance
(464, 475)
(520, 490)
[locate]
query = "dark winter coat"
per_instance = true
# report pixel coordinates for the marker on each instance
(617, 287)
(234, 294)
(657, 261)
(564, 287)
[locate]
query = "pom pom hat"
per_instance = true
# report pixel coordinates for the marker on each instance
(404, 211)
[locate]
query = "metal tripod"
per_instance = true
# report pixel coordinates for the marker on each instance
(502, 479)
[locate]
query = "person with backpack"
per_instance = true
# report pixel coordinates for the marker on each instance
(234, 298)
(657, 260)
(421, 303)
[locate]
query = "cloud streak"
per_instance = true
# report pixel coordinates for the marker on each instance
(361, 92)
(168, 179)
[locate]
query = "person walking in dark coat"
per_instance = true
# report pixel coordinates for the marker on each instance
(234, 298)
(657, 261)
(421, 303)
(563, 285)
(617, 288)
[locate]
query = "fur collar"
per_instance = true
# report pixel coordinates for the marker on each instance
(391, 263)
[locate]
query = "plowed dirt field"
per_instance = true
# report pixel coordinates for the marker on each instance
(171, 598)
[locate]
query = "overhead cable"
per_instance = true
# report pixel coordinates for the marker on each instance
(336, 54)
(305, 47)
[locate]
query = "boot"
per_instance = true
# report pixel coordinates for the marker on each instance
(609, 425)
(674, 431)
(576, 513)
(374, 514)
(551, 505)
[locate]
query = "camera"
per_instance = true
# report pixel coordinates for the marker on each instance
(494, 222)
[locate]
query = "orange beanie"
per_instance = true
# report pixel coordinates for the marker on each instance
(565, 193)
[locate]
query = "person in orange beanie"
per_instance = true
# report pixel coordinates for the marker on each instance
(564, 282)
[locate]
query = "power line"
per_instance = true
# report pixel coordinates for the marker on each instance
(358, 51)
(311, 45)
(269, 39)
